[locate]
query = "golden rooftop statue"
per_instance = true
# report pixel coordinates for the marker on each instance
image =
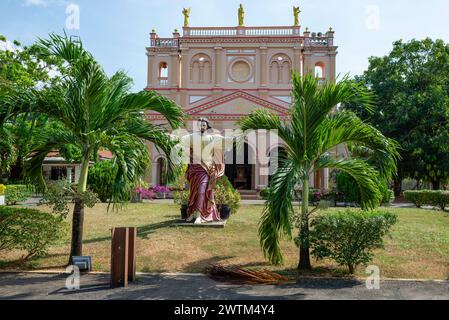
(186, 13)
(296, 12)
(241, 16)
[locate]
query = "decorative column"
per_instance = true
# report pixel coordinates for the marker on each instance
(150, 70)
(201, 72)
(326, 179)
(307, 55)
(174, 70)
(184, 66)
(280, 72)
(307, 63)
(218, 51)
(332, 66)
(69, 174)
(263, 66)
(296, 59)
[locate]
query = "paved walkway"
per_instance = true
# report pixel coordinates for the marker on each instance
(194, 287)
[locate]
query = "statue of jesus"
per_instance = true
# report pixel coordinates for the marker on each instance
(206, 166)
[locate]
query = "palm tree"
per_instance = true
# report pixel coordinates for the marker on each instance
(312, 132)
(96, 111)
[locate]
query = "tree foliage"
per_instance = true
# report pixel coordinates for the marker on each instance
(412, 107)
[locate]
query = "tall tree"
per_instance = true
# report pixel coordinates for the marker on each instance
(315, 129)
(22, 69)
(412, 107)
(96, 111)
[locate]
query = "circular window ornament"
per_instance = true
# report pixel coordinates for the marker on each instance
(240, 71)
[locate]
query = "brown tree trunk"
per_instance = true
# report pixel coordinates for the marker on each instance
(397, 187)
(304, 258)
(351, 268)
(304, 248)
(77, 229)
(304, 243)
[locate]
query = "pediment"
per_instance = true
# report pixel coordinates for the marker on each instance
(238, 103)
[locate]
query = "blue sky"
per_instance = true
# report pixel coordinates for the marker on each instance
(116, 31)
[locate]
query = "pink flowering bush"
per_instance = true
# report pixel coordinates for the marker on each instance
(145, 193)
(161, 189)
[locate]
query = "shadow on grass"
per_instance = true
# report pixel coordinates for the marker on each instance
(142, 232)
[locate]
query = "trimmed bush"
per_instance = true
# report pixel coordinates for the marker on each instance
(349, 237)
(16, 193)
(2, 190)
(30, 230)
(436, 198)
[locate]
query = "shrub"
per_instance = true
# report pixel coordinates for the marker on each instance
(30, 230)
(61, 193)
(264, 193)
(161, 189)
(180, 190)
(387, 195)
(144, 193)
(225, 193)
(2, 190)
(101, 179)
(349, 237)
(437, 198)
(16, 193)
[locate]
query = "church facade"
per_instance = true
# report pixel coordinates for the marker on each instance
(224, 73)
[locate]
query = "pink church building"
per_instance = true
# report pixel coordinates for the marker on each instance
(224, 73)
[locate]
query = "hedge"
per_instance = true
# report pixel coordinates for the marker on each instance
(436, 198)
(30, 230)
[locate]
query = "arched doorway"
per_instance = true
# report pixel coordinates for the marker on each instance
(240, 173)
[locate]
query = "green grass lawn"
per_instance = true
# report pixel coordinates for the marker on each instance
(418, 247)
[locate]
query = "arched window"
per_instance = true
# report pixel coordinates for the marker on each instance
(163, 73)
(201, 69)
(319, 70)
(280, 67)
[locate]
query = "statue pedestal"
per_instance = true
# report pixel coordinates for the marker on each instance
(214, 224)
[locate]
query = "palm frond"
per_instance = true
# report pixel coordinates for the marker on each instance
(45, 142)
(346, 128)
(364, 174)
(275, 220)
(131, 159)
